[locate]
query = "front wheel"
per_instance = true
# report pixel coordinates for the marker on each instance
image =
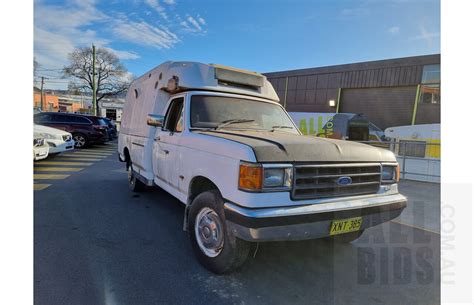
(134, 184)
(80, 140)
(215, 247)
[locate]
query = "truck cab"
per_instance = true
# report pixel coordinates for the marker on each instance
(218, 140)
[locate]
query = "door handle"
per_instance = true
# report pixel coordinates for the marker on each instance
(166, 151)
(157, 138)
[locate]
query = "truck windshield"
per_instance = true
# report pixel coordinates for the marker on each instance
(238, 113)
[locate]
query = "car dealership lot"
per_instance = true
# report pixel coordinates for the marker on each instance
(64, 165)
(98, 243)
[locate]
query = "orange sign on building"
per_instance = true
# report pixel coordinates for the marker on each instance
(50, 102)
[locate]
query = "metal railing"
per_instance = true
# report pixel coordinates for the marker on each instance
(410, 150)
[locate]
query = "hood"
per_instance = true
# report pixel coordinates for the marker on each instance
(50, 130)
(285, 147)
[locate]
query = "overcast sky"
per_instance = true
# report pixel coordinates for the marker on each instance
(258, 35)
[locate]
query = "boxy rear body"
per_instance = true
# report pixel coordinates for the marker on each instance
(217, 139)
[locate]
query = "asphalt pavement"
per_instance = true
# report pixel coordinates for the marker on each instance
(98, 243)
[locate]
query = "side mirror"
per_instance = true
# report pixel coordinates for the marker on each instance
(155, 120)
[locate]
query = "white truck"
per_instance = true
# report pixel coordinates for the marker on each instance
(217, 139)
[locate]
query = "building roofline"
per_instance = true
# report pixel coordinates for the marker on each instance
(366, 65)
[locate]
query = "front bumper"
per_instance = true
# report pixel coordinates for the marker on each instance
(98, 137)
(40, 152)
(59, 146)
(309, 221)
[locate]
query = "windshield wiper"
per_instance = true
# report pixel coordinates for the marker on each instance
(280, 127)
(233, 121)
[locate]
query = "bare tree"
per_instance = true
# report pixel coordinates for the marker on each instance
(112, 78)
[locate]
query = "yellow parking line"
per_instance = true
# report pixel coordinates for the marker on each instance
(83, 156)
(63, 163)
(103, 155)
(102, 151)
(49, 176)
(40, 186)
(88, 151)
(79, 159)
(58, 169)
(91, 153)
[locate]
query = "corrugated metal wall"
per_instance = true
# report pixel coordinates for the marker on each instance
(309, 90)
(385, 107)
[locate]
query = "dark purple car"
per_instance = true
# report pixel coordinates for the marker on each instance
(85, 129)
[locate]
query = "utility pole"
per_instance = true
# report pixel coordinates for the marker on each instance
(41, 101)
(94, 97)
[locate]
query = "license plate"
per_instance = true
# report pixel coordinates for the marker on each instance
(345, 225)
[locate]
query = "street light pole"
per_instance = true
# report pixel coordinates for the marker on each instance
(94, 97)
(41, 98)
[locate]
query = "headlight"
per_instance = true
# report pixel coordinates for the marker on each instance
(258, 177)
(390, 173)
(277, 177)
(38, 142)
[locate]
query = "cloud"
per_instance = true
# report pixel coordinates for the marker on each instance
(426, 35)
(61, 27)
(157, 7)
(145, 34)
(355, 12)
(194, 25)
(394, 30)
(124, 55)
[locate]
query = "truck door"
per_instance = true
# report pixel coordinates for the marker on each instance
(165, 147)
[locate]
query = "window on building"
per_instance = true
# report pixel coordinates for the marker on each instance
(430, 85)
(431, 74)
(111, 114)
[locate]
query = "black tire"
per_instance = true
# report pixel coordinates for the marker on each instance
(80, 140)
(134, 184)
(346, 238)
(233, 251)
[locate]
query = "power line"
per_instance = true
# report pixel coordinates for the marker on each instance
(48, 69)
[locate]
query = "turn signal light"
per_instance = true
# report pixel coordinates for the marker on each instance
(397, 173)
(250, 176)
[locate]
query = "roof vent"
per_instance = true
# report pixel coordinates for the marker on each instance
(238, 76)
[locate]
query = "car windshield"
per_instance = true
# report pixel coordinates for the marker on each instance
(238, 113)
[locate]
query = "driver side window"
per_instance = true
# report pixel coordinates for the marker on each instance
(174, 116)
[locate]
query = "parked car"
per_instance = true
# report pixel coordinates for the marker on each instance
(218, 140)
(112, 131)
(40, 147)
(58, 140)
(85, 129)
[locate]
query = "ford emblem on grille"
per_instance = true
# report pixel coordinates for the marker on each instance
(344, 180)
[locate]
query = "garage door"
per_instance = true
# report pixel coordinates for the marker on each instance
(385, 107)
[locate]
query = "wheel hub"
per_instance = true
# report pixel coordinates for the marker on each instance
(209, 232)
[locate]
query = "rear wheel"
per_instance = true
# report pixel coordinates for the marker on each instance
(80, 140)
(215, 247)
(134, 184)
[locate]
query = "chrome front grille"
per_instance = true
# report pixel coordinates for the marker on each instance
(321, 181)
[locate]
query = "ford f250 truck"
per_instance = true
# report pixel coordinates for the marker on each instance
(217, 139)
